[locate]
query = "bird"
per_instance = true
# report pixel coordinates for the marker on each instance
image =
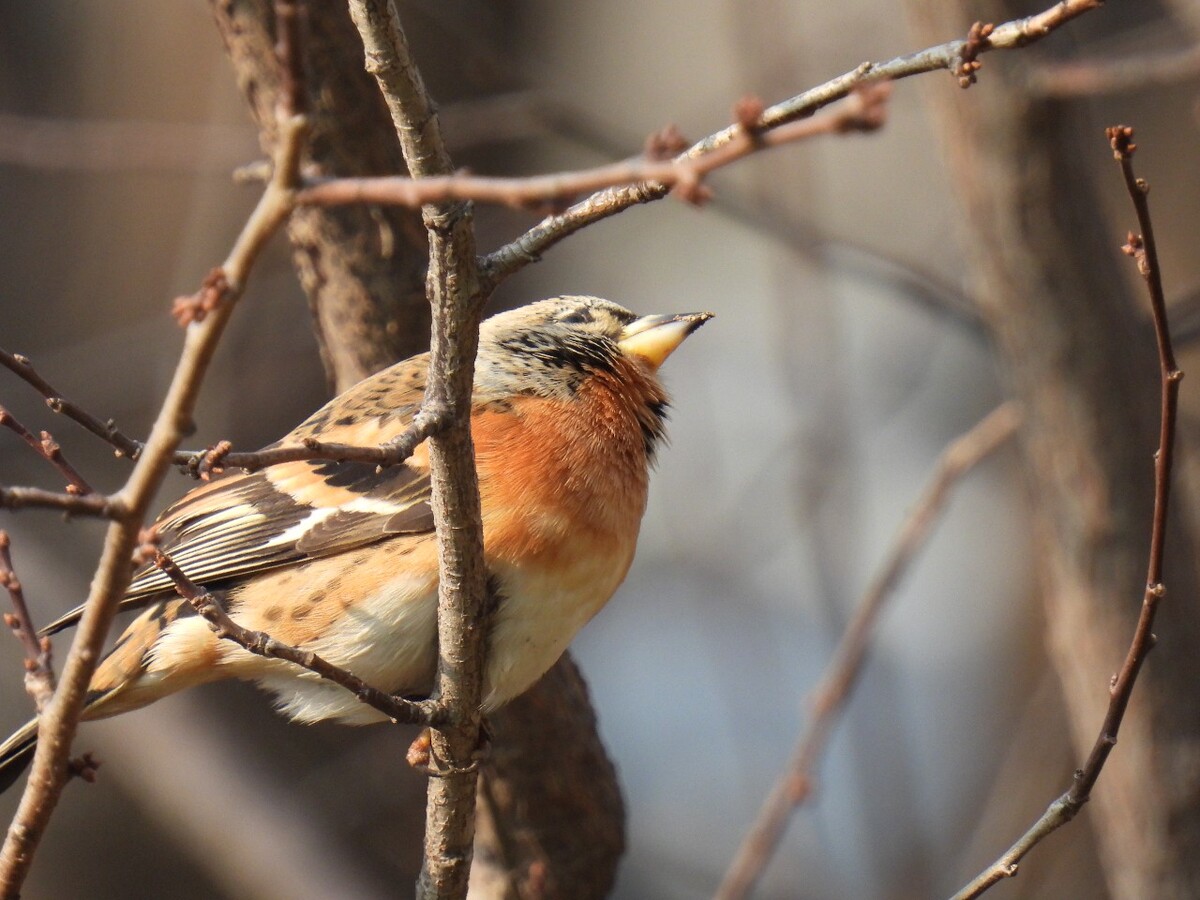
(340, 557)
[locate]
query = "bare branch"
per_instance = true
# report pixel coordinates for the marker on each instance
(39, 672)
(864, 112)
(106, 431)
(262, 644)
(97, 505)
(48, 449)
(528, 248)
(221, 456)
(796, 783)
(1066, 807)
(61, 717)
(456, 297)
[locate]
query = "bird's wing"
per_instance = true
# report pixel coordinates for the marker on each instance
(248, 523)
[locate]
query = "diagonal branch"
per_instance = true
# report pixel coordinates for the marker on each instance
(795, 785)
(48, 449)
(39, 673)
(107, 431)
(865, 112)
(1065, 808)
(959, 57)
(130, 505)
(262, 644)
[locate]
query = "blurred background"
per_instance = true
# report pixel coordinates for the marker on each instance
(847, 351)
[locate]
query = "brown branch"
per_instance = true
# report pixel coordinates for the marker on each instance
(106, 431)
(1066, 807)
(865, 112)
(262, 644)
(795, 785)
(1108, 76)
(49, 771)
(456, 298)
(221, 456)
(198, 462)
(96, 505)
(39, 672)
(48, 449)
(529, 247)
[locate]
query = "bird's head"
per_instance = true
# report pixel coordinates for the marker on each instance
(556, 348)
(554, 344)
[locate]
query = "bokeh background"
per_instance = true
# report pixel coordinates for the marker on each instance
(845, 354)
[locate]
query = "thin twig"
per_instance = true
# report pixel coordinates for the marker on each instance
(39, 671)
(61, 717)
(262, 644)
(529, 247)
(222, 456)
(48, 449)
(106, 431)
(96, 505)
(795, 785)
(1065, 808)
(864, 112)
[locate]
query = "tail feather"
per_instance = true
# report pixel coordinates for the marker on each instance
(16, 753)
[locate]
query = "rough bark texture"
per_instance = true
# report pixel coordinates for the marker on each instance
(1079, 356)
(559, 807)
(363, 268)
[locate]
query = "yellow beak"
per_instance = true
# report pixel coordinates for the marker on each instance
(654, 338)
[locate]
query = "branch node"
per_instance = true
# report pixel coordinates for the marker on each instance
(978, 41)
(196, 307)
(664, 144)
(747, 115)
(84, 767)
(1120, 138)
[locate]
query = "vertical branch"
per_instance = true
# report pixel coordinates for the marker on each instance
(1065, 808)
(456, 298)
(1073, 350)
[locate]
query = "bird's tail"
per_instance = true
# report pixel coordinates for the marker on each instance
(16, 753)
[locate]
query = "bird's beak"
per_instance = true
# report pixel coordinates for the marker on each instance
(654, 338)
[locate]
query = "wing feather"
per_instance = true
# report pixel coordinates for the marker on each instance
(248, 523)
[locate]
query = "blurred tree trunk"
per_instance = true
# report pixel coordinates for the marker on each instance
(363, 268)
(1078, 354)
(555, 824)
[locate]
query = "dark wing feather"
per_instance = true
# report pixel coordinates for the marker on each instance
(249, 523)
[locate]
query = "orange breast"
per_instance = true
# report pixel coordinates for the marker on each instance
(553, 472)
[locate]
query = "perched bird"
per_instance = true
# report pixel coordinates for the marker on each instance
(341, 559)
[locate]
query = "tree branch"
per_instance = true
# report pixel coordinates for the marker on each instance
(456, 299)
(529, 247)
(1066, 807)
(795, 785)
(864, 112)
(262, 644)
(49, 771)
(39, 672)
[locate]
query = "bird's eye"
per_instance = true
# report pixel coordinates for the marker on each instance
(578, 317)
